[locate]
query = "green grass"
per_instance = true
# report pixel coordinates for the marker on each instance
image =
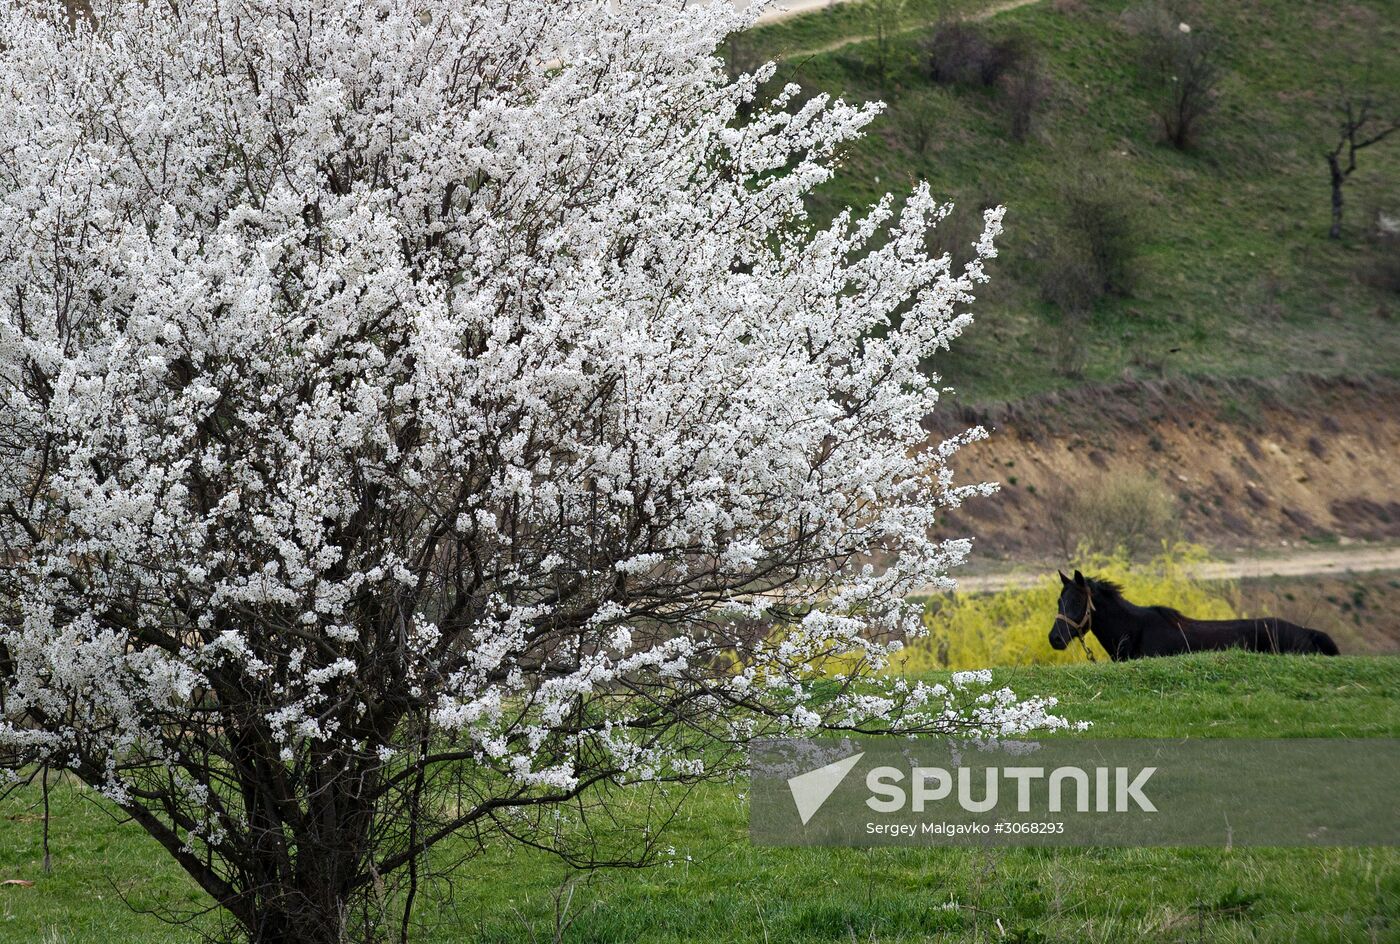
(1236, 276)
(720, 888)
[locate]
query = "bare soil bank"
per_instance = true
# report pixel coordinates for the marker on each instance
(1298, 461)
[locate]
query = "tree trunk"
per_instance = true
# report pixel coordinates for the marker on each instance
(307, 865)
(299, 929)
(302, 916)
(1338, 178)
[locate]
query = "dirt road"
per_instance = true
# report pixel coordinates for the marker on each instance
(782, 11)
(1329, 561)
(791, 8)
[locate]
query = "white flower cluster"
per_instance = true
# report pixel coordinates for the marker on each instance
(476, 363)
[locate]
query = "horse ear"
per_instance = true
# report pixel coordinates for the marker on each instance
(1063, 579)
(1079, 578)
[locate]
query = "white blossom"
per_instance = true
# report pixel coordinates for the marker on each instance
(465, 369)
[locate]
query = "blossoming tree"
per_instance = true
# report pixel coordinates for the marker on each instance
(420, 418)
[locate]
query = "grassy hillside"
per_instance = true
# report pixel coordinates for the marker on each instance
(1236, 277)
(720, 888)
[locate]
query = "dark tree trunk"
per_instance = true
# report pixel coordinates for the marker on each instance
(309, 922)
(1338, 178)
(307, 855)
(314, 907)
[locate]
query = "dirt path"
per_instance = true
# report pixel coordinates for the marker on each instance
(786, 11)
(798, 7)
(1330, 561)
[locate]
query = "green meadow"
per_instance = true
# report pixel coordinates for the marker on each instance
(108, 878)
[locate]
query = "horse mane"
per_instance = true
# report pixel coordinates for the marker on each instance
(1108, 588)
(1114, 590)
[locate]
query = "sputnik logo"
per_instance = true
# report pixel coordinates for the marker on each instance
(812, 789)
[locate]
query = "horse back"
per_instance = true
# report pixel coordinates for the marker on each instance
(1265, 634)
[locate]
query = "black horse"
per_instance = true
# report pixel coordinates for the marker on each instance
(1128, 631)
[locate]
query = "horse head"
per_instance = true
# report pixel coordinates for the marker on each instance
(1076, 609)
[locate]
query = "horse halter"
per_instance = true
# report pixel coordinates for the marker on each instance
(1083, 624)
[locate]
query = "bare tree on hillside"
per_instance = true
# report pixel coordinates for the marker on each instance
(1363, 122)
(1182, 65)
